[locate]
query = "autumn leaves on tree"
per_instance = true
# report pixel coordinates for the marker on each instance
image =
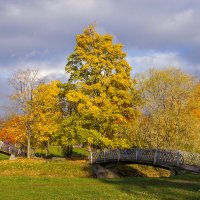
(100, 90)
(99, 104)
(168, 120)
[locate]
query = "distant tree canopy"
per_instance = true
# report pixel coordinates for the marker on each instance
(167, 120)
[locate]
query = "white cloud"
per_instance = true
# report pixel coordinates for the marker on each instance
(161, 60)
(47, 71)
(54, 68)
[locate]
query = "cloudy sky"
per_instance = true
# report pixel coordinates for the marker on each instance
(41, 33)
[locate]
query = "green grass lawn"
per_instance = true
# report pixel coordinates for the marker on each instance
(31, 188)
(38, 179)
(3, 157)
(56, 151)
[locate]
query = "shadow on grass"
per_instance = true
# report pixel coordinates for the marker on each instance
(108, 170)
(128, 171)
(77, 156)
(74, 156)
(176, 188)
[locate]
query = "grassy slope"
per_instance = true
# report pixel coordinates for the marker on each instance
(45, 168)
(68, 169)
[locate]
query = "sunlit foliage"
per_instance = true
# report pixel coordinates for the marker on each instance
(100, 92)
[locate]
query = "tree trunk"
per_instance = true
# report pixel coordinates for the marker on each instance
(89, 148)
(68, 150)
(28, 144)
(47, 149)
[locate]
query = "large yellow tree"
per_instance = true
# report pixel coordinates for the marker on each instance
(100, 92)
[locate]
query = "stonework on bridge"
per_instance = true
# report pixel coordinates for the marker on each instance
(173, 160)
(9, 149)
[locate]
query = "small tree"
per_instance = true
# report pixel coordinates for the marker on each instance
(13, 130)
(24, 82)
(47, 112)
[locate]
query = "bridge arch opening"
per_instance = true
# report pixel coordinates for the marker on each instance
(172, 160)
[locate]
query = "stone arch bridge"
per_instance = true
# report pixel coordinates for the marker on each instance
(172, 160)
(9, 149)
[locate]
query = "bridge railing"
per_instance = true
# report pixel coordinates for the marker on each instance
(9, 148)
(148, 156)
(191, 158)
